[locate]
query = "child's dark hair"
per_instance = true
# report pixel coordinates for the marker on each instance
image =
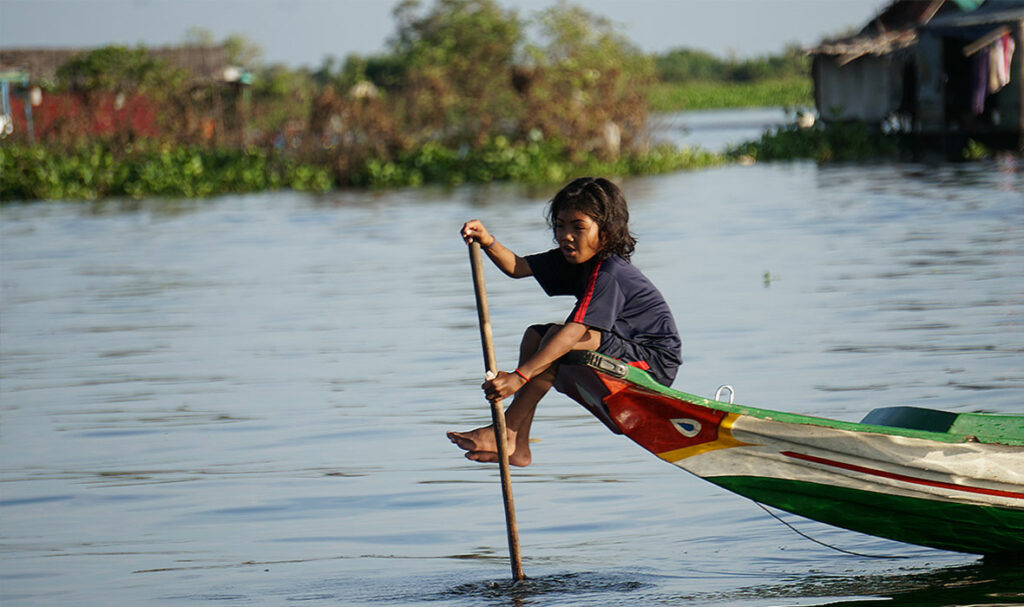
(603, 202)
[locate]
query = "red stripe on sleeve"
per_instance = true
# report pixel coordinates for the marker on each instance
(581, 308)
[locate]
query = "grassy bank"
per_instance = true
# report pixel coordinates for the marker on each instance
(702, 95)
(99, 170)
(851, 142)
(534, 162)
(832, 143)
(104, 170)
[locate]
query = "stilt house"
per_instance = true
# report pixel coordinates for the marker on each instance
(945, 70)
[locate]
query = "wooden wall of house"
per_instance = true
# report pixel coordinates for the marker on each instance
(1017, 69)
(867, 89)
(931, 85)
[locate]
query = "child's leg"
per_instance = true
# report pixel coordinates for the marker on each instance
(480, 443)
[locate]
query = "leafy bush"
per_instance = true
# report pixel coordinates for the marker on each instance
(834, 142)
(683, 64)
(117, 68)
(96, 171)
(465, 72)
(466, 91)
(539, 161)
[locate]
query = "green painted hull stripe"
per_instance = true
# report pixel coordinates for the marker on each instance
(937, 524)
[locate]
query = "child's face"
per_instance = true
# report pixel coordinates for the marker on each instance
(577, 235)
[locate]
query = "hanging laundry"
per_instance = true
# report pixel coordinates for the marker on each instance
(1000, 56)
(1008, 47)
(979, 82)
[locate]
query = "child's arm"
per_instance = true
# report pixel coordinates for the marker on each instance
(571, 336)
(506, 260)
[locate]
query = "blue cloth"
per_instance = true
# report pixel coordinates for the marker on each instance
(615, 298)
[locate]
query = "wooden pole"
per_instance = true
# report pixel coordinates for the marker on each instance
(497, 409)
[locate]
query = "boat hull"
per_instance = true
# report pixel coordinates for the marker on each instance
(941, 490)
(920, 521)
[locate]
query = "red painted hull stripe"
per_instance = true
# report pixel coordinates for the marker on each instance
(901, 477)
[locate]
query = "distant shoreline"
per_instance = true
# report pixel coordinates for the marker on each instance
(711, 95)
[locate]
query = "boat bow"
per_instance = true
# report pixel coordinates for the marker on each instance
(946, 489)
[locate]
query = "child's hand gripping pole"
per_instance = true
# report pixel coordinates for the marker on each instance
(497, 408)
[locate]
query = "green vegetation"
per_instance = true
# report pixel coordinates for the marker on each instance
(536, 162)
(684, 64)
(704, 94)
(462, 94)
(466, 91)
(116, 68)
(833, 143)
(465, 72)
(975, 150)
(100, 170)
(690, 79)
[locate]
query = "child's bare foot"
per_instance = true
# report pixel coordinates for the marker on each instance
(481, 439)
(518, 458)
(481, 446)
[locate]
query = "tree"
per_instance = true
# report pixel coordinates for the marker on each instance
(455, 62)
(590, 84)
(685, 64)
(682, 64)
(117, 69)
(242, 51)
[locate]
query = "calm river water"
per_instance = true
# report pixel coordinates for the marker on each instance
(243, 400)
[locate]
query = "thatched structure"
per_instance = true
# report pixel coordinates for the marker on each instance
(909, 68)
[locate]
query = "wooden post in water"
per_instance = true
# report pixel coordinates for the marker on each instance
(497, 409)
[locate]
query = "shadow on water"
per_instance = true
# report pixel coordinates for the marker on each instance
(571, 587)
(984, 583)
(999, 583)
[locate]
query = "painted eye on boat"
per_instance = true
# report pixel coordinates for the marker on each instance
(687, 427)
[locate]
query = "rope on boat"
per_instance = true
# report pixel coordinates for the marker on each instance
(827, 545)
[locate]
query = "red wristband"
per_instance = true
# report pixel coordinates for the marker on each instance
(520, 374)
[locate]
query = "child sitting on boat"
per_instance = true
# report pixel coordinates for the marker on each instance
(618, 311)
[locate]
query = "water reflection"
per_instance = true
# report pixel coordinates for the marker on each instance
(717, 130)
(976, 584)
(583, 587)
